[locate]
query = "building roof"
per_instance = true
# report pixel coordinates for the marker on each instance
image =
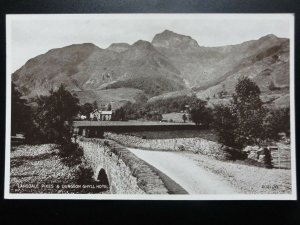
(106, 112)
(102, 112)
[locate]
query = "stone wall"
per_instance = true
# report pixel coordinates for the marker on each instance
(119, 175)
(127, 173)
(280, 155)
(196, 145)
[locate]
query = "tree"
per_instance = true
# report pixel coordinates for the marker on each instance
(109, 107)
(119, 114)
(55, 114)
(249, 112)
(184, 118)
(200, 114)
(95, 105)
(246, 121)
(225, 123)
(241, 123)
(277, 120)
(159, 117)
(86, 109)
(20, 112)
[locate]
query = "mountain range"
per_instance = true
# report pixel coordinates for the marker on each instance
(171, 65)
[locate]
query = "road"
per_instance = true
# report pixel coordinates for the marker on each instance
(185, 172)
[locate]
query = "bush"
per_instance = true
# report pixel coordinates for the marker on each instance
(71, 153)
(234, 154)
(84, 174)
(106, 143)
(181, 148)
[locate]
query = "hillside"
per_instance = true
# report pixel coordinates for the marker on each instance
(147, 70)
(117, 97)
(171, 65)
(204, 67)
(173, 94)
(266, 67)
(85, 67)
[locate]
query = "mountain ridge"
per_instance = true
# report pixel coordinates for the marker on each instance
(170, 63)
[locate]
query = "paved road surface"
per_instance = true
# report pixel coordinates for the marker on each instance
(185, 172)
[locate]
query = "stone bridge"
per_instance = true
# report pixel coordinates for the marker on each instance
(126, 173)
(97, 128)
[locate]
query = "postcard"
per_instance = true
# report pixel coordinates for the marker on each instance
(150, 107)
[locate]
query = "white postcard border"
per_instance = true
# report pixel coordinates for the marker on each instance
(8, 195)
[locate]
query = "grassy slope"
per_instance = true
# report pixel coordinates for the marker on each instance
(119, 96)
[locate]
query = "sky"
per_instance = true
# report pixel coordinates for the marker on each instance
(32, 35)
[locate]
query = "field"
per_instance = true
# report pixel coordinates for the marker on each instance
(39, 169)
(174, 117)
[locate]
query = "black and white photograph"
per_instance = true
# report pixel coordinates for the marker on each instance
(150, 106)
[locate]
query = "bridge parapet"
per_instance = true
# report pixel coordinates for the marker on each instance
(119, 176)
(126, 172)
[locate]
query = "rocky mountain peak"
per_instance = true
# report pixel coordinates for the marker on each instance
(170, 39)
(141, 44)
(118, 47)
(168, 33)
(138, 50)
(270, 38)
(83, 47)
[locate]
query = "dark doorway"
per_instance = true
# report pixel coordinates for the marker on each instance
(102, 177)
